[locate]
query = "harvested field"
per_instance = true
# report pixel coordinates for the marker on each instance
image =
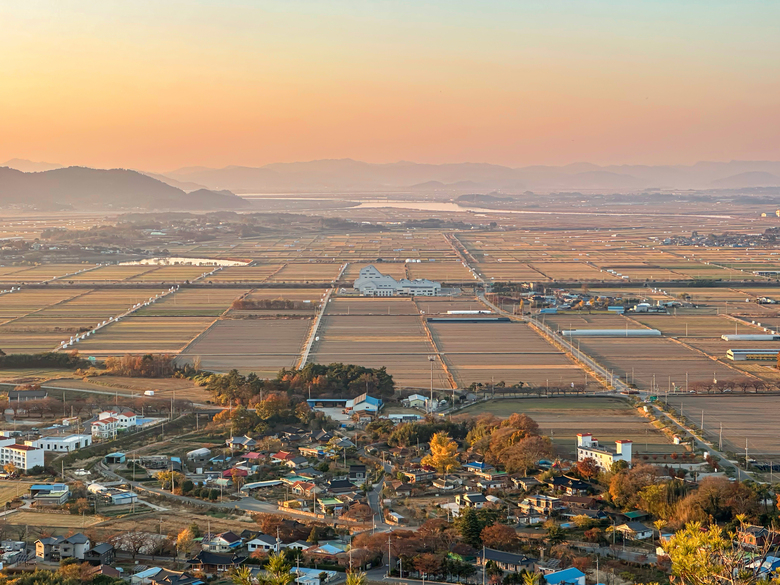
(508, 352)
(571, 271)
(43, 520)
(183, 389)
(639, 359)
(609, 419)
(687, 325)
(21, 303)
(112, 273)
(209, 302)
(310, 272)
(263, 346)
(245, 273)
(440, 305)
(139, 335)
(43, 330)
(441, 271)
(371, 306)
(738, 413)
(41, 273)
(11, 489)
(397, 342)
(510, 272)
(168, 274)
(174, 522)
(313, 295)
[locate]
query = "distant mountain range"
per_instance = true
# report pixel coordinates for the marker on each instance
(117, 189)
(348, 175)
(210, 188)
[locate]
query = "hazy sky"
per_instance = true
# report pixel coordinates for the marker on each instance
(160, 84)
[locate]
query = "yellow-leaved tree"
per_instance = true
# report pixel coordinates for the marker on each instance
(444, 454)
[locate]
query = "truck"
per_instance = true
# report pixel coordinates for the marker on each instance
(149, 393)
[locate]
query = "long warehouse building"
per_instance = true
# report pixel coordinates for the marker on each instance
(742, 355)
(612, 333)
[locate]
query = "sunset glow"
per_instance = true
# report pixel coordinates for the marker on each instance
(160, 85)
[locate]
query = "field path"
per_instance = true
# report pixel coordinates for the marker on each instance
(314, 328)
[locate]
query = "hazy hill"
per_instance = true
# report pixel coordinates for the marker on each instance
(29, 166)
(83, 188)
(748, 179)
(351, 176)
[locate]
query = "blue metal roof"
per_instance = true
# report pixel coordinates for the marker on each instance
(570, 575)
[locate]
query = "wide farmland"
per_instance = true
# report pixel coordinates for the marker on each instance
(440, 271)
(263, 346)
(44, 329)
(258, 273)
(188, 302)
(41, 273)
(107, 274)
(640, 359)
(371, 306)
(168, 274)
(754, 417)
(310, 272)
(509, 352)
(687, 325)
(139, 335)
(510, 272)
(561, 418)
(398, 342)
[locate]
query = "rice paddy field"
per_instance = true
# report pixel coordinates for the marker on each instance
(262, 346)
(399, 342)
(561, 418)
(21, 274)
(740, 415)
(205, 302)
(510, 272)
(259, 273)
(510, 352)
(106, 274)
(41, 319)
(441, 271)
(372, 306)
(642, 360)
(306, 273)
(169, 274)
(139, 335)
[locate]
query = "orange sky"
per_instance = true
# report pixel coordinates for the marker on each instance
(160, 85)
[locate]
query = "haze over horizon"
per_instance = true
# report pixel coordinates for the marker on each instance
(160, 86)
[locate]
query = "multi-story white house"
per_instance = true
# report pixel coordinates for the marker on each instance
(64, 444)
(372, 283)
(111, 421)
(125, 418)
(105, 428)
(22, 456)
(589, 448)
